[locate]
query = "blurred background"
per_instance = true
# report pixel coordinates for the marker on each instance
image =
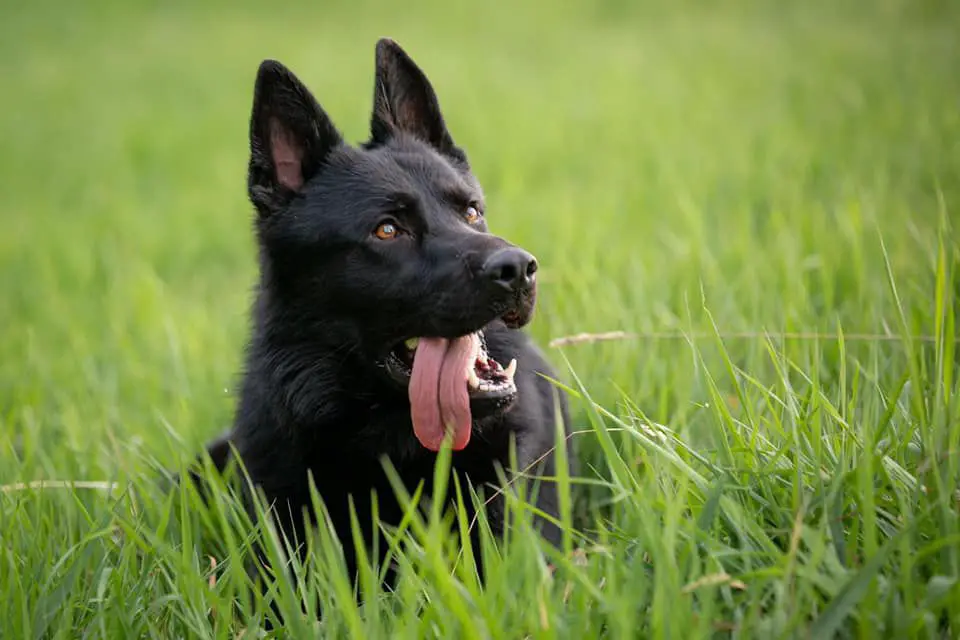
(662, 159)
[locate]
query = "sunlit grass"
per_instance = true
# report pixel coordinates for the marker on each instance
(761, 197)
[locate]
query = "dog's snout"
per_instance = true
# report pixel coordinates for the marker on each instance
(511, 268)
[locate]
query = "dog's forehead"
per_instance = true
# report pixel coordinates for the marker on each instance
(422, 167)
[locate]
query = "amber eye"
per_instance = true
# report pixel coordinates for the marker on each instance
(472, 215)
(387, 231)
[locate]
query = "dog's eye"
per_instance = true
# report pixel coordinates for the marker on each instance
(472, 214)
(387, 231)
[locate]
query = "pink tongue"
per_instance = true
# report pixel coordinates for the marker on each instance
(438, 391)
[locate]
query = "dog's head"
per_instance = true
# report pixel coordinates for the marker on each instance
(388, 239)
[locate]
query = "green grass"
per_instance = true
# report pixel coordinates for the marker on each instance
(744, 177)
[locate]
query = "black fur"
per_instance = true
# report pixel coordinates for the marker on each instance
(333, 299)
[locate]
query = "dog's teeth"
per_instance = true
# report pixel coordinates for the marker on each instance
(473, 382)
(411, 344)
(511, 369)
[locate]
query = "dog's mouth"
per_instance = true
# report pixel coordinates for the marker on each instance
(450, 382)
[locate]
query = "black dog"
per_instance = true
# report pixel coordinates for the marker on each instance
(387, 316)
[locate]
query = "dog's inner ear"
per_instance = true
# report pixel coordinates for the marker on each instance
(290, 137)
(287, 156)
(404, 102)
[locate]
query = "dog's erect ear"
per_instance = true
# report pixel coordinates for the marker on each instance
(290, 137)
(404, 101)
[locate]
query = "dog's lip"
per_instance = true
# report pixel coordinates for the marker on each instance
(512, 319)
(515, 317)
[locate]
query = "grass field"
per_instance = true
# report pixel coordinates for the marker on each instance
(763, 195)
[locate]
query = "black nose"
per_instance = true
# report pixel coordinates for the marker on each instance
(511, 268)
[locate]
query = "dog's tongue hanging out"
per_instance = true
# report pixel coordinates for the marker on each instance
(438, 390)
